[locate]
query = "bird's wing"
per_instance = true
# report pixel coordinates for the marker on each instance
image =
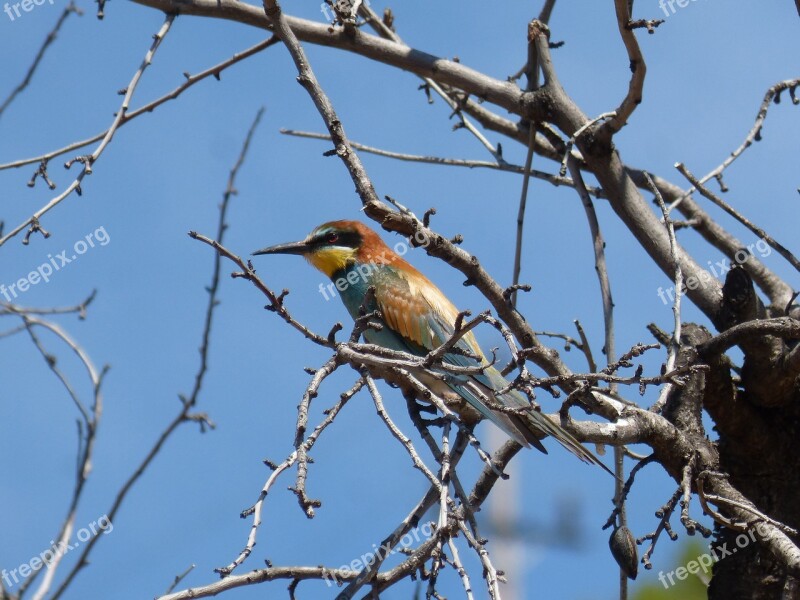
(417, 310)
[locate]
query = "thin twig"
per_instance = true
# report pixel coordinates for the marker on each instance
(187, 404)
(664, 513)
(638, 69)
(308, 80)
(276, 303)
(754, 135)
(675, 341)
(523, 199)
(399, 435)
(532, 70)
(89, 160)
(49, 39)
(87, 434)
(554, 179)
(178, 578)
(601, 269)
(455, 104)
(151, 106)
(578, 133)
(306, 445)
(79, 309)
(705, 497)
(213, 289)
(779, 248)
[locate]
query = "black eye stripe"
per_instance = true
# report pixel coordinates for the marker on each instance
(350, 239)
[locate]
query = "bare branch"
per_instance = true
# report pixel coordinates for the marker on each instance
(49, 39)
(187, 404)
(89, 160)
(87, 432)
(638, 69)
(455, 104)
(675, 341)
(773, 94)
(179, 577)
(784, 327)
(399, 435)
(775, 288)
(575, 136)
(151, 106)
(791, 258)
(556, 180)
(276, 301)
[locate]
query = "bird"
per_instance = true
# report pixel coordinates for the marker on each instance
(416, 317)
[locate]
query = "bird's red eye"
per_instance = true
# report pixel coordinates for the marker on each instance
(332, 238)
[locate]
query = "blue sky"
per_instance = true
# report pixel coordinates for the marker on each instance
(163, 175)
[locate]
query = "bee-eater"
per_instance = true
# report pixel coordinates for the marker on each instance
(417, 318)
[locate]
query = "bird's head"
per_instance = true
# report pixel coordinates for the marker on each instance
(334, 245)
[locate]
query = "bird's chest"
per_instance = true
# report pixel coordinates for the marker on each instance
(352, 282)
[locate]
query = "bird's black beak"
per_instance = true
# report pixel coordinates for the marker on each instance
(290, 248)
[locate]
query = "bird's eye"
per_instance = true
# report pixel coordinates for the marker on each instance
(332, 238)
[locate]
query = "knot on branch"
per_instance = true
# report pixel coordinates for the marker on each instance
(537, 28)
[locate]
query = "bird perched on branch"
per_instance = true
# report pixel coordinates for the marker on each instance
(417, 318)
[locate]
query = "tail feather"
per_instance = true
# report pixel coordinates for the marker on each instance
(522, 428)
(565, 438)
(504, 421)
